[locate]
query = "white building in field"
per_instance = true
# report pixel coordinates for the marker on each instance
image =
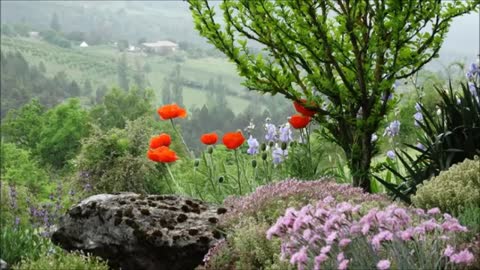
(160, 47)
(83, 45)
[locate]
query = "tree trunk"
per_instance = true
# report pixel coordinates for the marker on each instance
(359, 162)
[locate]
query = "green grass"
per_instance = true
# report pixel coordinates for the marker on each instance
(99, 65)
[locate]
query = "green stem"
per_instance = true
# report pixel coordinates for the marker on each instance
(173, 178)
(183, 141)
(211, 173)
(238, 173)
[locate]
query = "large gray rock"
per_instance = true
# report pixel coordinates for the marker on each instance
(138, 232)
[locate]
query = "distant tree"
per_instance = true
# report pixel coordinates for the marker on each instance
(73, 89)
(41, 67)
(345, 54)
(100, 93)
(166, 93)
(139, 76)
(147, 68)
(87, 88)
(176, 84)
(64, 127)
(76, 36)
(6, 30)
(141, 41)
(22, 126)
(119, 106)
(122, 73)
(54, 23)
(122, 45)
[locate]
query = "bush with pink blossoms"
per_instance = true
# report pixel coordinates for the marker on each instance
(337, 235)
(270, 201)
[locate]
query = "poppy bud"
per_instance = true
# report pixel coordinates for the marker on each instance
(264, 156)
(263, 147)
(254, 163)
(271, 144)
(210, 149)
(284, 146)
(220, 179)
(292, 144)
(196, 163)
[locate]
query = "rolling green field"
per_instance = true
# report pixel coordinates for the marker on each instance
(99, 65)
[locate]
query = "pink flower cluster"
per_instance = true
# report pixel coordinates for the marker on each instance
(312, 235)
(288, 190)
(461, 257)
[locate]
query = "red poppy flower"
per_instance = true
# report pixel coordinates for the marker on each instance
(171, 111)
(299, 107)
(162, 154)
(160, 140)
(233, 140)
(209, 138)
(299, 121)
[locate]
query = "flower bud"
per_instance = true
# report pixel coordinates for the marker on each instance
(292, 144)
(263, 147)
(220, 179)
(196, 163)
(254, 163)
(264, 156)
(210, 149)
(271, 144)
(284, 146)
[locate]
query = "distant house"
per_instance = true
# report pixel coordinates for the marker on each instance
(83, 45)
(132, 48)
(160, 47)
(33, 34)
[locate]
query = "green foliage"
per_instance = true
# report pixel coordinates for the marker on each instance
(61, 260)
(122, 73)
(340, 51)
(64, 127)
(448, 138)
(19, 167)
(119, 106)
(248, 248)
(8, 212)
(21, 243)
(452, 190)
(115, 160)
(22, 126)
(470, 217)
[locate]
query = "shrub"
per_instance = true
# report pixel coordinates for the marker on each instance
(115, 160)
(269, 202)
(453, 189)
(248, 218)
(22, 242)
(13, 204)
(20, 168)
(63, 260)
(335, 234)
(446, 139)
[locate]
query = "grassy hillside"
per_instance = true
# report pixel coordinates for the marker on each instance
(99, 65)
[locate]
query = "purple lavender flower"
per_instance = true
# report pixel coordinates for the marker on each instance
(418, 118)
(391, 154)
(71, 192)
(374, 137)
(279, 155)
(473, 90)
(17, 222)
(13, 197)
(286, 133)
(271, 132)
(421, 146)
(51, 197)
(393, 129)
(87, 187)
(252, 145)
(418, 107)
(472, 71)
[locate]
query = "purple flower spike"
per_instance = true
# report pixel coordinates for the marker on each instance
(418, 118)
(286, 133)
(271, 132)
(393, 129)
(391, 154)
(252, 146)
(279, 155)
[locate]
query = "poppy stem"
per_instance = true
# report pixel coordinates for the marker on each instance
(183, 141)
(173, 178)
(238, 173)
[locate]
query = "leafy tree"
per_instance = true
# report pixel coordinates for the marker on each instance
(22, 126)
(73, 89)
(122, 72)
(176, 86)
(118, 107)
(342, 56)
(54, 23)
(122, 45)
(100, 93)
(64, 127)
